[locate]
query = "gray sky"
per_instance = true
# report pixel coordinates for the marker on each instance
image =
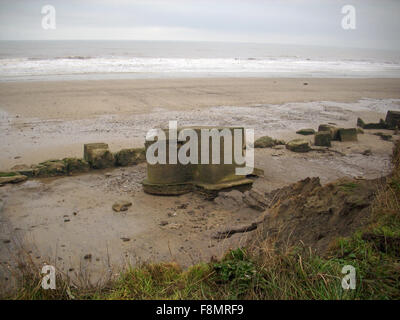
(310, 22)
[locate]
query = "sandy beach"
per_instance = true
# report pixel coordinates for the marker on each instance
(58, 220)
(42, 120)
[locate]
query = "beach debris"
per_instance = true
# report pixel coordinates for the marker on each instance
(384, 136)
(267, 142)
(11, 177)
(393, 119)
(306, 132)
(298, 145)
(121, 205)
(126, 157)
(98, 155)
(323, 138)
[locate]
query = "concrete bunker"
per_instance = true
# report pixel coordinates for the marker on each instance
(208, 178)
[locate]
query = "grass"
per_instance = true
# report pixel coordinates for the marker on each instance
(262, 272)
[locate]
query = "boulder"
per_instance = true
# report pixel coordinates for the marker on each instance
(126, 157)
(349, 134)
(306, 132)
(50, 168)
(323, 138)
(11, 177)
(393, 119)
(98, 156)
(298, 145)
(267, 142)
(76, 165)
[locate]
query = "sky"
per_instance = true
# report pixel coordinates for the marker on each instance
(302, 22)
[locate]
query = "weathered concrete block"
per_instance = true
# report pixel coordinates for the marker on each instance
(323, 139)
(298, 145)
(98, 156)
(380, 125)
(306, 132)
(333, 130)
(393, 119)
(126, 157)
(349, 134)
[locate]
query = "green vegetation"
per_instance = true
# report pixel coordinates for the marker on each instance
(8, 174)
(262, 272)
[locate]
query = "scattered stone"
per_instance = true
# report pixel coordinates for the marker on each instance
(349, 134)
(126, 157)
(393, 119)
(182, 206)
(323, 139)
(306, 132)
(265, 142)
(163, 223)
(121, 206)
(88, 256)
(298, 145)
(6, 241)
(67, 220)
(124, 239)
(98, 156)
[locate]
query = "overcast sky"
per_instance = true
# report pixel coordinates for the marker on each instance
(309, 22)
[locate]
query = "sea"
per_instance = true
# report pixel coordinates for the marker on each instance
(86, 60)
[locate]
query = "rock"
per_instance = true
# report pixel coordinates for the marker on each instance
(98, 156)
(367, 152)
(24, 170)
(360, 123)
(50, 168)
(381, 125)
(265, 142)
(257, 172)
(125, 239)
(323, 139)
(163, 223)
(88, 256)
(349, 134)
(11, 177)
(306, 132)
(384, 136)
(126, 157)
(76, 165)
(298, 145)
(393, 119)
(121, 206)
(360, 131)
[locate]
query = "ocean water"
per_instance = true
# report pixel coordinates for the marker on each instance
(68, 60)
